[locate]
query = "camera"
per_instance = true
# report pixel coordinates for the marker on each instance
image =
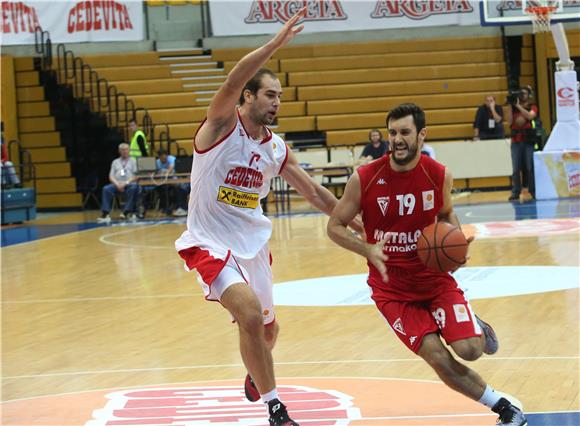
(514, 95)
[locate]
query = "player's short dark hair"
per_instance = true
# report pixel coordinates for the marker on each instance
(162, 151)
(404, 110)
(255, 83)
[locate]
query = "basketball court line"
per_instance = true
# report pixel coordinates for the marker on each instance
(89, 299)
(190, 382)
(280, 363)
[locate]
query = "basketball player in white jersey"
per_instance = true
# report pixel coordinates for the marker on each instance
(227, 234)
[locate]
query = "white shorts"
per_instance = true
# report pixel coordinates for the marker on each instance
(216, 273)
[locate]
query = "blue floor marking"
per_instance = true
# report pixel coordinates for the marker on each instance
(554, 419)
(25, 233)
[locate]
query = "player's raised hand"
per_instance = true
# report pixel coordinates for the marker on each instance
(289, 30)
(376, 255)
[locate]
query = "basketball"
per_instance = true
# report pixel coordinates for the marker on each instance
(442, 247)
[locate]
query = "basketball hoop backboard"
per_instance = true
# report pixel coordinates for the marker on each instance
(513, 12)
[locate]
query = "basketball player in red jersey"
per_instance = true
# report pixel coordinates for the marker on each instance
(398, 195)
(226, 240)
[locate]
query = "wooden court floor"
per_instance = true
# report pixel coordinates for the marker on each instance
(90, 313)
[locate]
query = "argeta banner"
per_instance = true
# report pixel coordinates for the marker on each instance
(243, 17)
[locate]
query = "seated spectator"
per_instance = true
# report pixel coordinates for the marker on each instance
(488, 122)
(123, 181)
(165, 163)
(376, 147)
(9, 176)
(179, 192)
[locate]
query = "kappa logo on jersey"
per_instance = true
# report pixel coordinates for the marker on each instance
(383, 204)
(398, 325)
(381, 181)
(428, 200)
(412, 339)
(219, 404)
(244, 200)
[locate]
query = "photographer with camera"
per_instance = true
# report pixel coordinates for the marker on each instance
(520, 116)
(488, 123)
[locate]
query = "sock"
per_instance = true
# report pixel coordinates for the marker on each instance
(490, 397)
(269, 396)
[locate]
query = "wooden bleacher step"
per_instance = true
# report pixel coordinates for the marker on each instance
(56, 188)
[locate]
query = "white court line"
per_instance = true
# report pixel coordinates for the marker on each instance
(165, 385)
(345, 361)
(104, 238)
(91, 299)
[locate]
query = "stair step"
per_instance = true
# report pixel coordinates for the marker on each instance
(30, 94)
(55, 185)
(36, 125)
(195, 65)
(33, 109)
(187, 58)
(181, 52)
(27, 78)
(53, 169)
(43, 155)
(62, 200)
(38, 140)
(24, 64)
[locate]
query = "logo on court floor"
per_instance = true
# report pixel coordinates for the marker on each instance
(220, 405)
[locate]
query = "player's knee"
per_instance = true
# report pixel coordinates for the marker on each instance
(467, 350)
(251, 321)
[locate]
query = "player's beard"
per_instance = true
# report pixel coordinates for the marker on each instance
(411, 153)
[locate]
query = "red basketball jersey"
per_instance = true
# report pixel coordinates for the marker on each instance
(395, 207)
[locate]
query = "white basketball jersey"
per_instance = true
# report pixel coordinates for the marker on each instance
(227, 183)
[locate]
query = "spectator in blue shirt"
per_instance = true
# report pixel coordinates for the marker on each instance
(179, 192)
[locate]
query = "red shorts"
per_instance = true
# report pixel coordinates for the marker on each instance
(448, 314)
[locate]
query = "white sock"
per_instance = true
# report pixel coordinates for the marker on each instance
(490, 397)
(269, 396)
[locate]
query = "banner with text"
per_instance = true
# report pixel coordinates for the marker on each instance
(243, 17)
(72, 21)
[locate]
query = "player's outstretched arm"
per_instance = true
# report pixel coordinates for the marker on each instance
(344, 212)
(221, 114)
(316, 194)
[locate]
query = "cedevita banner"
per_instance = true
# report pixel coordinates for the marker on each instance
(71, 21)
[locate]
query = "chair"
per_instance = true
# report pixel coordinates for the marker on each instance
(90, 191)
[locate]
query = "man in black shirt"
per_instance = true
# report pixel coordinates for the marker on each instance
(488, 122)
(376, 147)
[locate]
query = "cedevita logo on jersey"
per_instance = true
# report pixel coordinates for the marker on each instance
(245, 177)
(233, 197)
(401, 242)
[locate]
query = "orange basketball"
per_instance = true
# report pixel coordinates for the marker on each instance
(442, 247)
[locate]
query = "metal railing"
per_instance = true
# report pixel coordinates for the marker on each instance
(103, 97)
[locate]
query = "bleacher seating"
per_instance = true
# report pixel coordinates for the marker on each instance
(339, 90)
